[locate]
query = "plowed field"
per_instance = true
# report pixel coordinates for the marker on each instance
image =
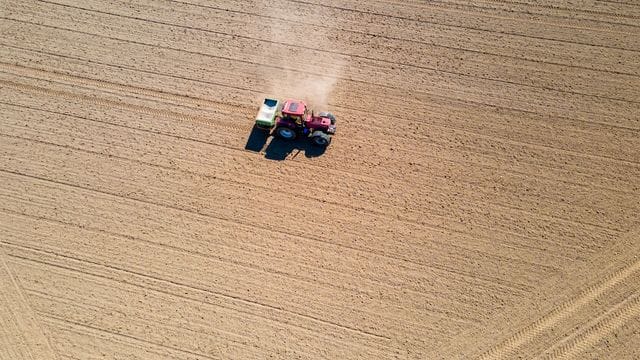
(481, 198)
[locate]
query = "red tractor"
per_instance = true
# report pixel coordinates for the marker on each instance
(294, 120)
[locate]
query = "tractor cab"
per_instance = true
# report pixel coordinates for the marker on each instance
(294, 111)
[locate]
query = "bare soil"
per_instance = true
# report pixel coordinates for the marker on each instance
(481, 198)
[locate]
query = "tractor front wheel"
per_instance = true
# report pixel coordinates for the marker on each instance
(286, 133)
(320, 139)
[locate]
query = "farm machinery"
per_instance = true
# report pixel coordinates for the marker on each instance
(292, 119)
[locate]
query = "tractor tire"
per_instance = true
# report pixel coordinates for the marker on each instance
(285, 133)
(328, 115)
(319, 138)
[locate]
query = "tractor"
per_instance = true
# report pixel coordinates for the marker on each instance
(292, 119)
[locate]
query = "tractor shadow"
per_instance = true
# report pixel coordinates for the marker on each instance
(279, 149)
(257, 139)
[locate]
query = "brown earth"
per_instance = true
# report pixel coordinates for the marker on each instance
(480, 200)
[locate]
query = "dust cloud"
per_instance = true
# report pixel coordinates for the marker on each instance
(300, 47)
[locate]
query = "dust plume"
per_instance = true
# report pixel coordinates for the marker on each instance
(297, 48)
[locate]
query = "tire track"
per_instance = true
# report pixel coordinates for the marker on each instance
(529, 333)
(45, 172)
(22, 335)
(586, 337)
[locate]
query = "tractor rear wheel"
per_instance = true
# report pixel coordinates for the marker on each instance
(320, 139)
(329, 116)
(286, 133)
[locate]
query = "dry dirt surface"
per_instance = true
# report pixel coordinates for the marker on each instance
(481, 199)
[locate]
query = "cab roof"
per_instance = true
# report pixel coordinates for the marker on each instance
(294, 107)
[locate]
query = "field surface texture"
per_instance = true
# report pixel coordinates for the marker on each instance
(480, 200)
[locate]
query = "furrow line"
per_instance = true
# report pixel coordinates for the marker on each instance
(170, 168)
(181, 116)
(231, 148)
(121, 105)
(124, 67)
(157, 285)
(257, 92)
(472, 277)
(408, 18)
(126, 237)
(21, 69)
(489, 8)
(47, 74)
(182, 285)
(435, 311)
(254, 63)
(459, 8)
(406, 220)
(555, 7)
(139, 341)
(106, 90)
(158, 350)
(146, 321)
(410, 65)
(390, 37)
(424, 5)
